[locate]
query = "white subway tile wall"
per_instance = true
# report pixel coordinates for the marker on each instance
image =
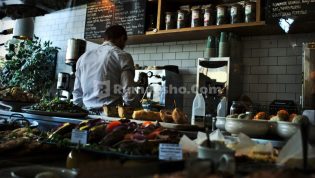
(4, 25)
(271, 64)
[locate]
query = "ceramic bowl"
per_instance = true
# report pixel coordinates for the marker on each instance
(252, 128)
(287, 129)
(38, 171)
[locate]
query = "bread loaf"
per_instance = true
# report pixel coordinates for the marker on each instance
(146, 115)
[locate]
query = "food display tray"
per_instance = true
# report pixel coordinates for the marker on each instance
(57, 114)
(106, 153)
(186, 127)
(15, 106)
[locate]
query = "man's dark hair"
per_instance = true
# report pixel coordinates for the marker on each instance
(115, 32)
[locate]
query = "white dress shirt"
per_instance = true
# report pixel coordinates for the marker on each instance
(104, 76)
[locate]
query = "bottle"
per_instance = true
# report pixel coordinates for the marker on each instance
(221, 109)
(198, 111)
(224, 47)
(210, 47)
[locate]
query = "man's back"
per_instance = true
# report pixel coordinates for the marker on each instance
(99, 71)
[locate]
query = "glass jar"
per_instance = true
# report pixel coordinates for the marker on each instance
(237, 108)
(151, 22)
(221, 15)
(195, 17)
(250, 12)
(236, 13)
(169, 20)
(208, 15)
(182, 18)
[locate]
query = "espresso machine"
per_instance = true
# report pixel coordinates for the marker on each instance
(65, 83)
(156, 85)
(216, 78)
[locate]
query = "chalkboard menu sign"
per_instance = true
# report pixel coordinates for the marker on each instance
(298, 10)
(103, 13)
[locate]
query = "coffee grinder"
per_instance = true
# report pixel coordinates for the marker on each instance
(65, 83)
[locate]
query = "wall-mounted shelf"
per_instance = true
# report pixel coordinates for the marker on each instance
(259, 27)
(198, 33)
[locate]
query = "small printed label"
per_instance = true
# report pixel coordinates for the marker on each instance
(195, 15)
(207, 16)
(78, 136)
(181, 16)
(248, 9)
(233, 11)
(168, 18)
(170, 152)
(220, 12)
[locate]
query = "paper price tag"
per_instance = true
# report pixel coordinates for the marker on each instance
(78, 136)
(170, 152)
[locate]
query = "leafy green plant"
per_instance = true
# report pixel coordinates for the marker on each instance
(30, 65)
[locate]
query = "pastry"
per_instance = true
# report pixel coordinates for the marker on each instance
(260, 116)
(166, 115)
(283, 114)
(179, 116)
(146, 115)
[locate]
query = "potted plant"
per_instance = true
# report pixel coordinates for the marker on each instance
(30, 65)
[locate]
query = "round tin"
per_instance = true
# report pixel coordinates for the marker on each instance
(181, 18)
(221, 15)
(195, 17)
(169, 20)
(236, 13)
(250, 12)
(208, 16)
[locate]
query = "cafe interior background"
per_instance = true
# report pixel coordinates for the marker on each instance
(272, 65)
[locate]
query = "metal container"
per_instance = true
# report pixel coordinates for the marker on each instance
(236, 13)
(63, 81)
(208, 15)
(195, 17)
(222, 15)
(182, 17)
(169, 20)
(250, 12)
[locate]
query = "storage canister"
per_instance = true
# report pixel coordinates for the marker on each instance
(181, 18)
(195, 16)
(250, 12)
(236, 13)
(221, 15)
(208, 15)
(169, 20)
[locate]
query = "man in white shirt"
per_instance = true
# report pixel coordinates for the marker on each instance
(105, 75)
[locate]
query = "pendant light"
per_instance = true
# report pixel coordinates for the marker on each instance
(24, 28)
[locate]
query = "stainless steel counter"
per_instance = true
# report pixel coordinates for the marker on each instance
(45, 122)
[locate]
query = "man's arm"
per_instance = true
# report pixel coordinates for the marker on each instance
(129, 95)
(77, 90)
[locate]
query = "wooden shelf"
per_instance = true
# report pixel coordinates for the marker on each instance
(201, 33)
(198, 33)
